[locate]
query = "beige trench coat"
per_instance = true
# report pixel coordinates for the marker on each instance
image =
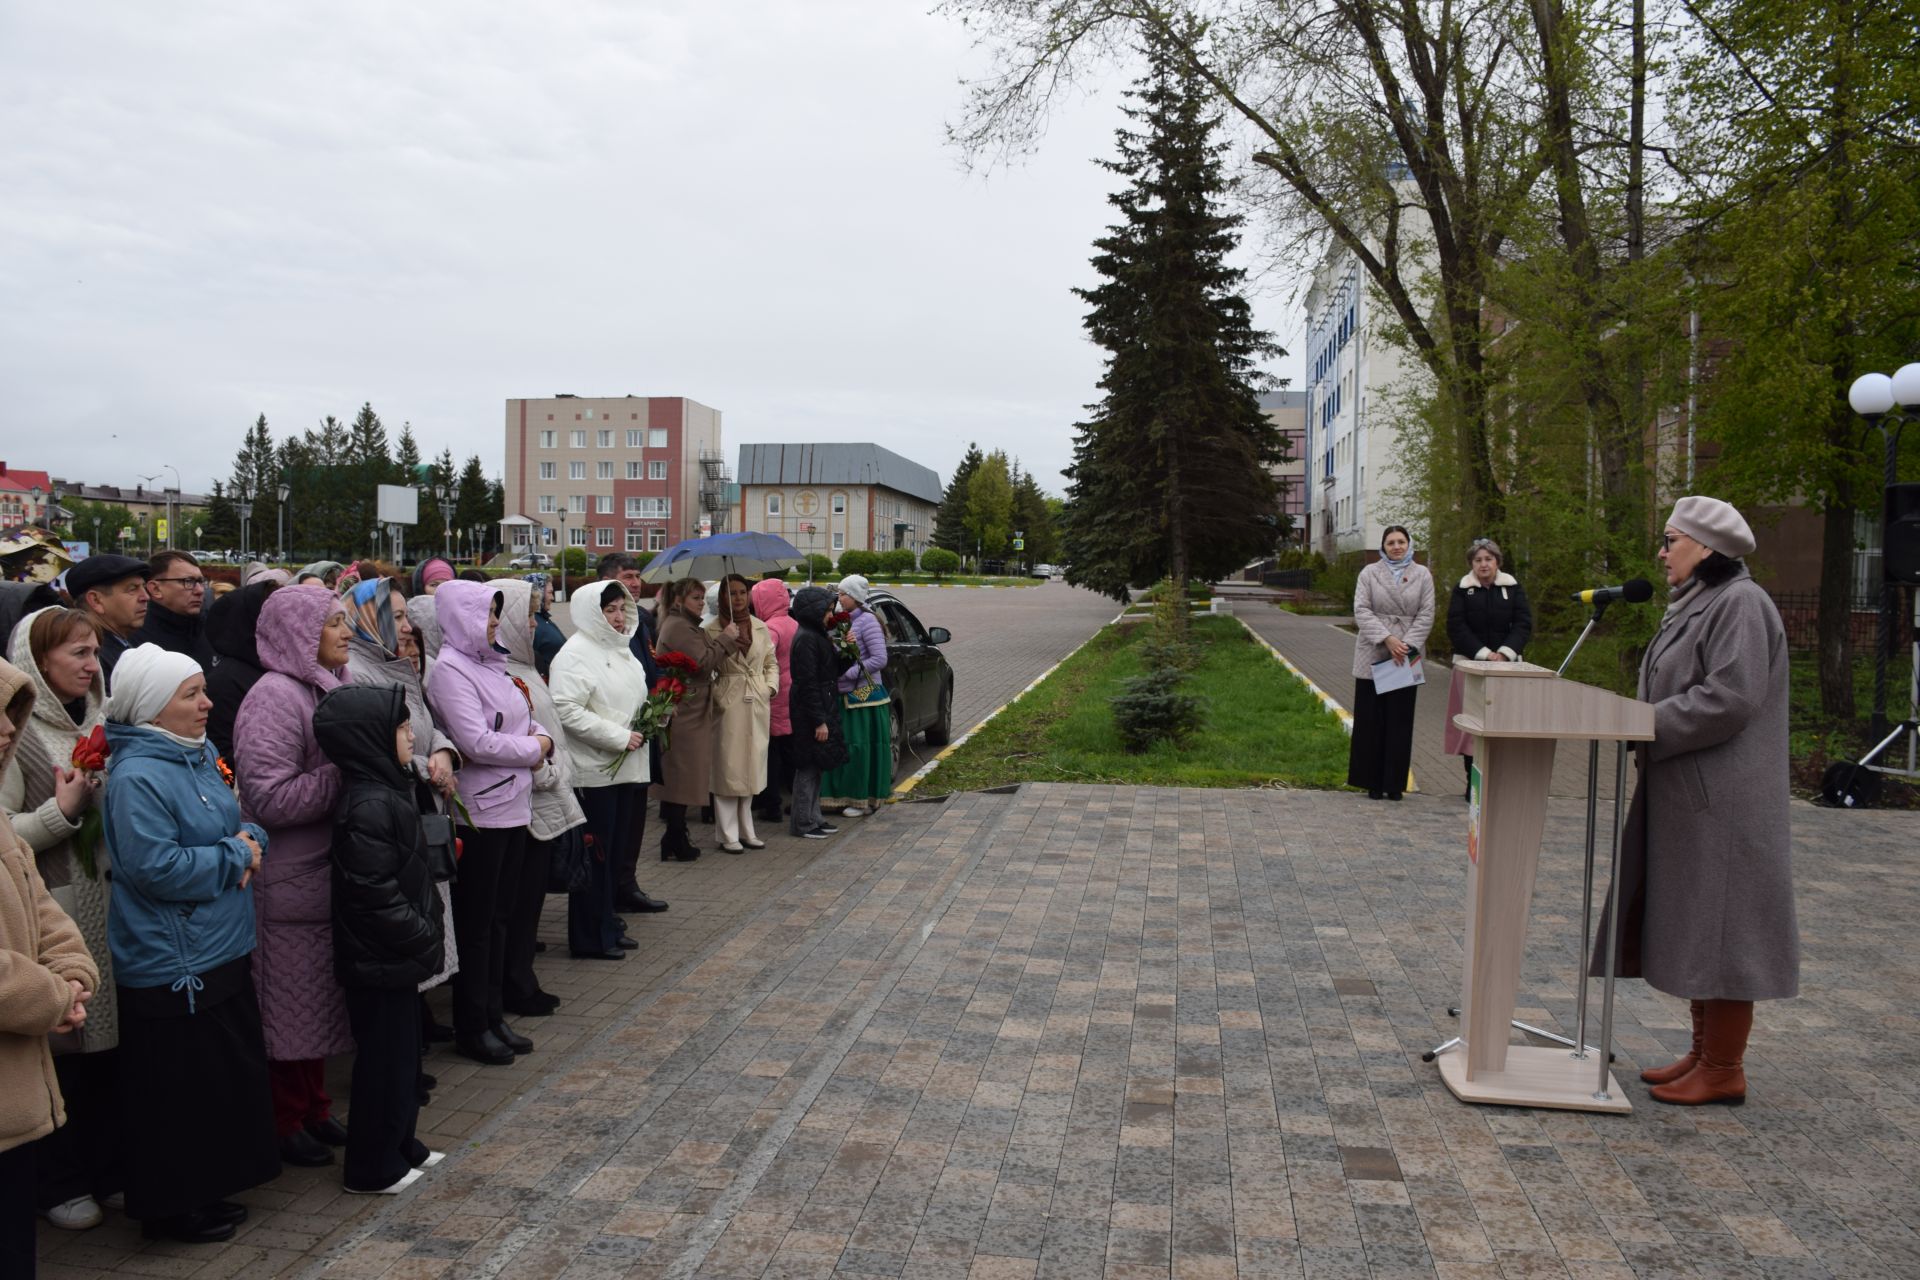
(1383, 607)
(1706, 874)
(743, 689)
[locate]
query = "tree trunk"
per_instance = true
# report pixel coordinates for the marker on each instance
(1835, 621)
(1176, 535)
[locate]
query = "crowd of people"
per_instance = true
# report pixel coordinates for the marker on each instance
(250, 826)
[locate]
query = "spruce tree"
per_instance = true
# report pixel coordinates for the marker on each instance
(950, 526)
(1171, 473)
(406, 466)
(222, 530)
(474, 503)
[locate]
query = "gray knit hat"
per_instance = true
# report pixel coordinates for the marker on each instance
(1714, 524)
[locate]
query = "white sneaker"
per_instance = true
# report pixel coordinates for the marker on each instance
(854, 811)
(433, 1158)
(407, 1179)
(77, 1214)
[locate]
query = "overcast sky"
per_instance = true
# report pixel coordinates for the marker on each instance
(214, 210)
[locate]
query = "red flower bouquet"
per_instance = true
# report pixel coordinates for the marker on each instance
(90, 756)
(655, 717)
(840, 631)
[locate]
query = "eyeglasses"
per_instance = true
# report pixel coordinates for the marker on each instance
(1666, 540)
(191, 584)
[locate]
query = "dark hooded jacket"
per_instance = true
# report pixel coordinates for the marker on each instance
(387, 930)
(18, 599)
(815, 698)
(232, 625)
(176, 633)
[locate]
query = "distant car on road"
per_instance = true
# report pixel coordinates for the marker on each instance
(1046, 571)
(919, 678)
(531, 560)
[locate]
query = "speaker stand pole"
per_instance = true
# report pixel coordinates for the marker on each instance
(1565, 662)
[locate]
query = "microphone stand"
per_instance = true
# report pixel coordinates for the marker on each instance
(1598, 609)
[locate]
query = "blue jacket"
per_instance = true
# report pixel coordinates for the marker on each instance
(178, 909)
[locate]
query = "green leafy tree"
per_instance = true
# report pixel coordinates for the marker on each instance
(989, 521)
(939, 562)
(1171, 475)
(950, 526)
(1033, 518)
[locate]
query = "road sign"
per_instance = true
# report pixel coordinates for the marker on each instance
(160, 528)
(1019, 544)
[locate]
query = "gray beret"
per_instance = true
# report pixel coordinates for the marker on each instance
(1714, 524)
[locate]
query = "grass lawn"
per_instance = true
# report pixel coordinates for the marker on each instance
(1262, 725)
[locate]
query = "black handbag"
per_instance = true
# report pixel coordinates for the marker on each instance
(443, 859)
(571, 870)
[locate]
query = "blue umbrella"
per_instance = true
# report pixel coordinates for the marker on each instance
(722, 554)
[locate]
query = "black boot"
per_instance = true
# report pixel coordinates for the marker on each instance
(675, 845)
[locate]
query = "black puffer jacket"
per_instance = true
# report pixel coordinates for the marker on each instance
(815, 697)
(387, 932)
(232, 625)
(1495, 618)
(176, 633)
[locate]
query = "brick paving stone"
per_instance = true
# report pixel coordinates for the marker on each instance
(1085, 1031)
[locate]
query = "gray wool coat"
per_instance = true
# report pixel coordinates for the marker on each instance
(1706, 874)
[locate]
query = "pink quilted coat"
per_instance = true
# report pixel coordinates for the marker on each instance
(770, 601)
(288, 786)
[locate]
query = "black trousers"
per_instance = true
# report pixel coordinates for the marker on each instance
(482, 909)
(82, 1157)
(611, 815)
(386, 1109)
(626, 872)
(779, 776)
(518, 981)
(17, 1224)
(1382, 748)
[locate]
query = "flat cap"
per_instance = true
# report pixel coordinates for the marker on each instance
(1714, 524)
(104, 570)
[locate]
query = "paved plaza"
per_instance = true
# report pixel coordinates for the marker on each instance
(1080, 1031)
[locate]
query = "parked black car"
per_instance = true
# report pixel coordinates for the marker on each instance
(919, 678)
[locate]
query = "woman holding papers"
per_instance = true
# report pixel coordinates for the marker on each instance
(1706, 873)
(1393, 611)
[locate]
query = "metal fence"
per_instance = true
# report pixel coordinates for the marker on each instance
(1800, 611)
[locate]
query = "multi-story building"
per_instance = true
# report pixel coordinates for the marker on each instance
(23, 497)
(613, 473)
(830, 498)
(1287, 411)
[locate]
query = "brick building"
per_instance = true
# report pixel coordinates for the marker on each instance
(830, 498)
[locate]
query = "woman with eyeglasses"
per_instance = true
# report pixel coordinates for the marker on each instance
(1489, 620)
(1706, 874)
(1392, 611)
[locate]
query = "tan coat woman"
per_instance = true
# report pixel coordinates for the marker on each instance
(688, 761)
(743, 689)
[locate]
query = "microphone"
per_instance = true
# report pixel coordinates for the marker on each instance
(1634, 591)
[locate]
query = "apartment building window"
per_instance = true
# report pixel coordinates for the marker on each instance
(633, 470)
(656, 539)
(546, 537)
(579, 439)
(603, 504)
(773, 504)
(839, 541)
(635, 537)
(657, 437)
(548, 439)
(603, 439)
(577, 503)
(649, 508)
(657, 470)
(576, 537)
(576, 471)
(547, 471)
(603, 537)
(839, 504)
(634, 440)
(546, 504)
(603, 470)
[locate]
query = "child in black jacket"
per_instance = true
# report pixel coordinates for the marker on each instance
(387, 931)
(817, 744)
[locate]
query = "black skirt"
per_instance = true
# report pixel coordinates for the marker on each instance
(1381, 753)
(194, 1093)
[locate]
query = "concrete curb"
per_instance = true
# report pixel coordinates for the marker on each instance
(1327, 700)
(912, 780)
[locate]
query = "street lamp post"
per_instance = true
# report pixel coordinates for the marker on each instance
(286, 520)
(445, 495)
(244, 509)
(172, 495)
(147, 480)
(1874, 397)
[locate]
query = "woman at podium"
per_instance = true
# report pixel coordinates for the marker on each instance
(1488, 619)
(1393, 611)
(1706, 881)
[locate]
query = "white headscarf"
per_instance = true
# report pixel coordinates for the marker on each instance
(856, 586)
(144, 682)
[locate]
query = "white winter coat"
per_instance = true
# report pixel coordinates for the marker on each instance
(598, 686)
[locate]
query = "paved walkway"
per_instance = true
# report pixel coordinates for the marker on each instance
(1094, 1031)
(1323, 649)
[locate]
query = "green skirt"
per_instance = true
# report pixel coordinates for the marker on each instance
(868, 772)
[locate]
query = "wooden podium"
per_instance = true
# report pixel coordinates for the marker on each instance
(1518, 712)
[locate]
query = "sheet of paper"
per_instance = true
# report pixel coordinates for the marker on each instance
(1391, 675)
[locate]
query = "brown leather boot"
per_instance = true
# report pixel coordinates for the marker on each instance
(1674, 1070)
(1723, 1047)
